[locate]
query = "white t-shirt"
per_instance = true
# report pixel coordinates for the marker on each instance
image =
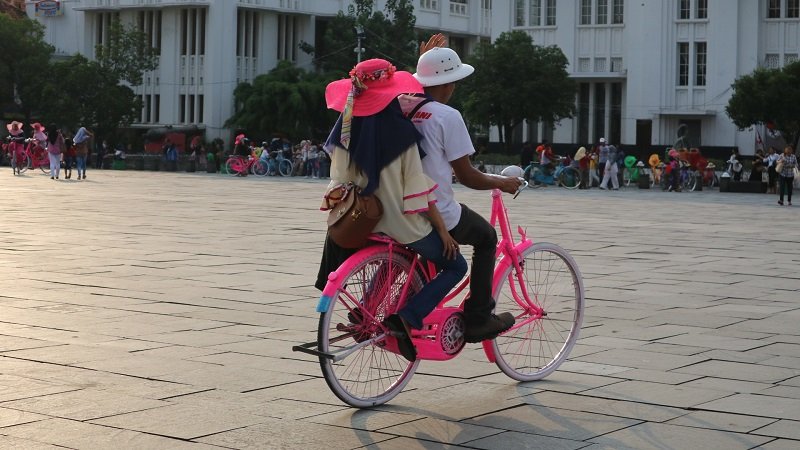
(445, 139)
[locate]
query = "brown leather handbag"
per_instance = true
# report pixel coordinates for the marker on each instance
(353, 216)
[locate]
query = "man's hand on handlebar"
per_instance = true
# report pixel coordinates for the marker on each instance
(509, 185)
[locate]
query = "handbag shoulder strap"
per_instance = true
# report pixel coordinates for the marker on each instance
(411, 113)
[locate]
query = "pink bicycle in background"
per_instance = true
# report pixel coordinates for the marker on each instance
(540, 284)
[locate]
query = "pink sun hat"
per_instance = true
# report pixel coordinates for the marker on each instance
(374, 83)
(15, 128)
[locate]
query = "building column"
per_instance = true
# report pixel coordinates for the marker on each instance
(220, 69)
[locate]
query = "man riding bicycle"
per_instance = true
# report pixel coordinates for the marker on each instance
(448, 146)
(546, 157)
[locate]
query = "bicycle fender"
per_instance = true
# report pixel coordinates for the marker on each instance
(328, 293)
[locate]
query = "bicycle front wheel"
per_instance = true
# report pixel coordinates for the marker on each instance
(259, 168)
(570, 178)
(285, 168)
(371, 374)
(22, 163)
(44, 165)
(534, 348)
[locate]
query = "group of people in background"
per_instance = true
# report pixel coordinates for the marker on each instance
(308, 159)
(61, 148)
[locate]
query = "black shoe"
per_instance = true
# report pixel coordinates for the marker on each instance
(489, 329)
(398, 330)
(780, 202)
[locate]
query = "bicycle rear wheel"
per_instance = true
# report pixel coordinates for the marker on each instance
(570, 178)
(233, 166)
(371, 374)
(44, 165)
(285, 168)
(534, 348)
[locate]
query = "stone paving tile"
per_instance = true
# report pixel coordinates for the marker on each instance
(618, 408)
(84, 404)
(789, 429)
(740, 371)
(9, 417)
(515, 440)
(402, 443)
(182, 421)
(10, 442)
(641, 359)
(710, 341)
(756, 405)
(778, 444)
(14, 387)
(656, 393)
(730, 386)
(75, 434)
(437, 430)
(294, 435)
(658, 436)
(723, 422)
(553, 422)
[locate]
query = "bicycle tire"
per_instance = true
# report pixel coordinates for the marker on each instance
(45, 166)
(532, 181)
(22, 166)
(372, 375)
(285, 168)
(258, 168)
(233, 166)
(569, 178)
(525, 352)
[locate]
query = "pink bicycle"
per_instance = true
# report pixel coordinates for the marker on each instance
(540, 284)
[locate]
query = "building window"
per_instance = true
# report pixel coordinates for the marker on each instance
(683, 64)
(702, 9)
(615, 121)
(616, 64)
(247, 36)
(584, 64)
(618, 12)
(458, 7)
(700, 60)
(519, 13)
(774, 9)
(150, 24)
(793, 9)
(772, 60)
(600, 65)
(789, 58)
(602, 12)
(550, 16)
(586, 12)
(685, 10)
(193, 31)
(535, 13)
(288, 37)
(430, 5)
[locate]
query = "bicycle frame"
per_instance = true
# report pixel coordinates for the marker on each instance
(426, 339)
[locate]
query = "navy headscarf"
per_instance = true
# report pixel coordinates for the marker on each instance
(376, 141)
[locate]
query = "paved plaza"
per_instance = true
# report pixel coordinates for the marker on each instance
(151, 310)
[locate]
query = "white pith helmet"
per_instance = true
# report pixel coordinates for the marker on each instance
(440, 66)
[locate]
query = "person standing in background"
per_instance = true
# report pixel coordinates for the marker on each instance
(81, 141)
(787, 164)
(55, 147)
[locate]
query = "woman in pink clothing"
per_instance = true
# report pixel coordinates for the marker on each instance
(55, 147)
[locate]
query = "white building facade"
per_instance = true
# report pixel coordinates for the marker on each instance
(643, 67)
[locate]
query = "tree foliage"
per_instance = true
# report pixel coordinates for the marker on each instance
(515, 80)
(388, 34)
(768, 96)
(127, 53)
(81, 92)
(24, 58)
(287, 100)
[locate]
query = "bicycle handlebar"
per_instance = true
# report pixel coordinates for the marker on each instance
(522, 186)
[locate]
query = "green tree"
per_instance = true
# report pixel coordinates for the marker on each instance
(515, 80)
(768, 96)
(24, 58)
(80, 92)
(388, 34)
(127, 53)
(286, 100)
